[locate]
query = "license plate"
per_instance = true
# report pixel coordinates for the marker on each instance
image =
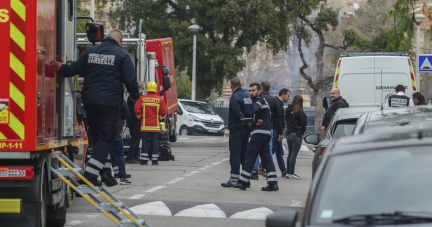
(10, 205)
(212, 130)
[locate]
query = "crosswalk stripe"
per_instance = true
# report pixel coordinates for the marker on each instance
(204, 211)
(155, 188)
(154, 208)
(174, 181)
(191, 173)
(257, 214)
(137, 196)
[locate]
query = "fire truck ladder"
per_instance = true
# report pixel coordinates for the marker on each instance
(110, 208)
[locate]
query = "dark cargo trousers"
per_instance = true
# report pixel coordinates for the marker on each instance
(103, 122)
(258, 145)
(238, 142)
(135, 133)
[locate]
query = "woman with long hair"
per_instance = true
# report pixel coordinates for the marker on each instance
(296, 126)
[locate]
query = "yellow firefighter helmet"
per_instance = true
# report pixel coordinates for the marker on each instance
(151, 86)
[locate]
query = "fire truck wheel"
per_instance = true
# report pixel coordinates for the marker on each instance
(58, 218)
(173, 137)
(41, 214)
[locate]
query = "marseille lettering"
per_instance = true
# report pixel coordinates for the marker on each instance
(101, 59)
(388, 87)
(150, 100)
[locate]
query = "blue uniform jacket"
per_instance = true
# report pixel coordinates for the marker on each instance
(105, 67)
(280, 121)
(240, 110)
(261, 110)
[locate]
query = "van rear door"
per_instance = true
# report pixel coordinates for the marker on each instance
(389, 83)
(356, 88)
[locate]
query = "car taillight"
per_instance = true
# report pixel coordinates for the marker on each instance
(322, 150)
(16, 173)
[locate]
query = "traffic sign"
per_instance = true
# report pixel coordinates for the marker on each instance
(425, 63)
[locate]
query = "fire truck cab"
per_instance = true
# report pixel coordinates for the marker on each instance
(38, 111)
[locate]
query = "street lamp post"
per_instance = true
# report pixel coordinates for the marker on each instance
(418, 19)
(194, 29)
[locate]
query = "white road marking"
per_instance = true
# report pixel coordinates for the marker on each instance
(304, 148)
(211, 138)
(92, 215)
(137, 196)
(174, 181)
(182, 138)
(155, 188)
(216, 163)
(296, 203)
(191, 173)
(73, 223)
(204, 168)
(205, 211)
(223, 160)
(257, 214)
(153, 208)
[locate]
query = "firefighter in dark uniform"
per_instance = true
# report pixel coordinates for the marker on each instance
(399, 99)
(259, 143)
(134, 125)
(240, 114)
(105, 67)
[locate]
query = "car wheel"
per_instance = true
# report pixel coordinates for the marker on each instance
(184, 131)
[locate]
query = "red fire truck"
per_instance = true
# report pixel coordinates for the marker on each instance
(37, 110)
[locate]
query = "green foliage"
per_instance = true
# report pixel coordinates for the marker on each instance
(184, 86)
(403, 24)
(230, 28)
(81, 11)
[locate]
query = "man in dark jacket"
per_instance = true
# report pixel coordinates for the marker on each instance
(240, 114)
(105, 67)
(134, 125)
(336, 103)
(259, 142)
(418, 99)
(275, 113)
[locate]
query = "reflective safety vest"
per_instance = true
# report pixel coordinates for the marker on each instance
(150, 109)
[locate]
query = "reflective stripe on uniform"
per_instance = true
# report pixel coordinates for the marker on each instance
(96, 163)
(271, 174)
(107, 164)
(89, 169)
(244, 179)
(259, 104)
(266, 107)
(267, 132)
(245, 173)
(144, 158)
(235, 175)
(271, 179)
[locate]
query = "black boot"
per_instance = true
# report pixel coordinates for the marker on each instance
(108, 179)
(118, 176)
(230, 184)
(270, 187)
(144, 163)
(155, 163)
(132, 161)
(254, 176)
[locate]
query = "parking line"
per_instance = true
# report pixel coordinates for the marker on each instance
(191, 173)
(73, 223)
(155, 189)
(223, 160)
(137, 196)
(174, 181)
(216, 163)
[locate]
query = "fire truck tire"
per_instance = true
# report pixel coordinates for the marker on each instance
(173, 137)
(57, 218)
(41, 212)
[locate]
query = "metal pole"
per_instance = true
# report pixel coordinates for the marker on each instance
(194, 69)
(418, 53)
(426, 88)
(92, 8)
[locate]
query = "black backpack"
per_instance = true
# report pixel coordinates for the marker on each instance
(165, 151)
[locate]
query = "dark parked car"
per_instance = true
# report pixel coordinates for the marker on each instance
(370, 180)
(394, 119)
(342, 125)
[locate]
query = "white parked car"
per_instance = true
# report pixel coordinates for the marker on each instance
(194, 118)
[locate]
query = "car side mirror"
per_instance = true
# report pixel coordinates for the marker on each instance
(166, 78)
(326, 102)
(312, 139)
(282, 218)
(95, 31)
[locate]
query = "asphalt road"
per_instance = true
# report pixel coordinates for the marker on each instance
(187, 191)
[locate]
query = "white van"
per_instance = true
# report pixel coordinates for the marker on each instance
(194, 117)
(368, 79)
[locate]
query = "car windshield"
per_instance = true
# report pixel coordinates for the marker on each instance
(395, 127)
(374, 182)
(197, 107)
(344, 128)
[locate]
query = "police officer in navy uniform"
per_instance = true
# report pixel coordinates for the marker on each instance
(105, 67)
(399, 99)
(240, 114)
(259, 143)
